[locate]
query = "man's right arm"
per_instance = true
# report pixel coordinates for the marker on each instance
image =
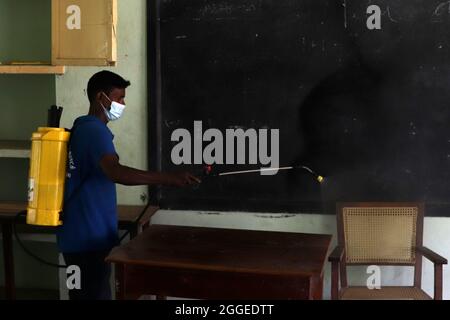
(131, 177)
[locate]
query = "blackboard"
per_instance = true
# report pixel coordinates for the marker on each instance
(367, 109)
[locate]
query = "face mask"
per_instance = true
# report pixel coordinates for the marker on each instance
(116, 109)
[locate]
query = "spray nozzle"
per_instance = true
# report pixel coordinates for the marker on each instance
(319, 178)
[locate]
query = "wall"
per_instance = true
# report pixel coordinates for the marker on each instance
(130, 131)
(25, 30)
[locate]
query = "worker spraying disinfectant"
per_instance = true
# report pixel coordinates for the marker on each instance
(73, 180)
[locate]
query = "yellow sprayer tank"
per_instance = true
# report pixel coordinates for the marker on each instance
(47, 176)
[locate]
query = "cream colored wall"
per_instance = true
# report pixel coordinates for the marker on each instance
(131, 130)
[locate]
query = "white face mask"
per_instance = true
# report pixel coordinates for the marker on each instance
(116, 109)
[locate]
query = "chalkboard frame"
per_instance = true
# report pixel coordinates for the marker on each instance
(154, 97)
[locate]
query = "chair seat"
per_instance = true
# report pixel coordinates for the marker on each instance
(385, 293)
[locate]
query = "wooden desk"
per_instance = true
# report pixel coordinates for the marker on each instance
(8, 211)
(209, 263)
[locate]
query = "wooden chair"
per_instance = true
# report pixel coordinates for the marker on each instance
(382, 234)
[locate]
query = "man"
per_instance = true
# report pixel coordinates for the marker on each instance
(89, 229)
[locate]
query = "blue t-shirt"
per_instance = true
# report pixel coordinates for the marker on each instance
(90, 208)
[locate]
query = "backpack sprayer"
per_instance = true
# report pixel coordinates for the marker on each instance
(46, 178)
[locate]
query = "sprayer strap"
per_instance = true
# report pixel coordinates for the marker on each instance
(78, 188)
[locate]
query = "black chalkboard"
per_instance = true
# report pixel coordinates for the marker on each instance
(367, 109)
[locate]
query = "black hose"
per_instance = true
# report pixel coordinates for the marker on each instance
(16, 234)
(60, 266)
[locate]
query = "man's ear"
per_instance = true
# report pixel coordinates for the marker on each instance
(99, 97)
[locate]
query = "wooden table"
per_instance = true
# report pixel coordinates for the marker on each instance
(210, 263)
(8, 211)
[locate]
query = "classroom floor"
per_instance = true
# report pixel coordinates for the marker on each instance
(32, 294)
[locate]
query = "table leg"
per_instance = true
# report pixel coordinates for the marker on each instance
(316, 288)
(120, 281)
(8, 261)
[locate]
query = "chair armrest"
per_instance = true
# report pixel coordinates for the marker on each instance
(431, 255)
(337, 254)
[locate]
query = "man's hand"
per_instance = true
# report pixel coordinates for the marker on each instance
(181, 179)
